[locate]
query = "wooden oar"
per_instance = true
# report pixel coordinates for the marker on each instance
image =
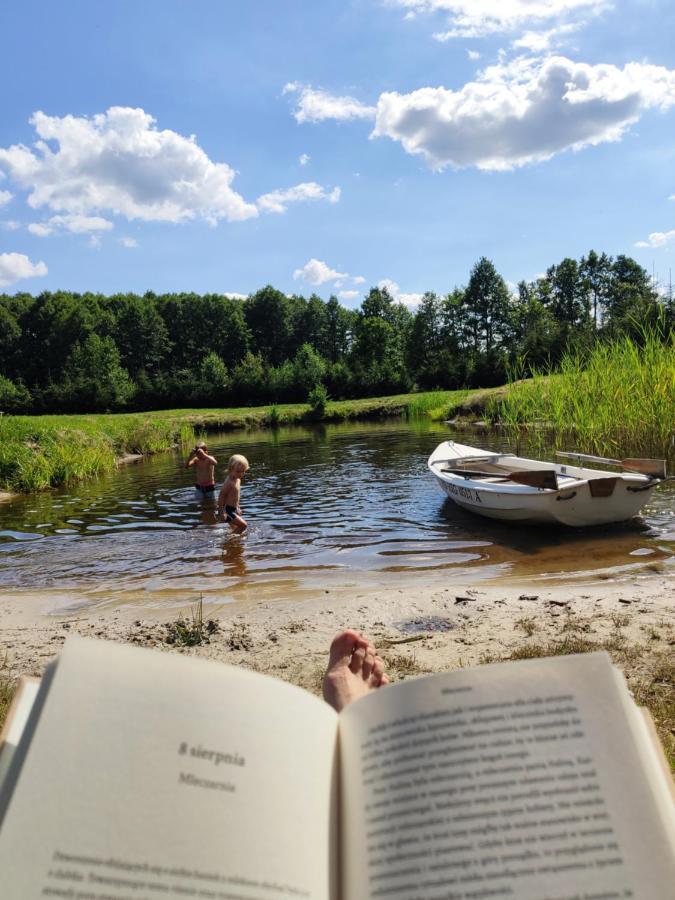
(539, 478)
(655, 468)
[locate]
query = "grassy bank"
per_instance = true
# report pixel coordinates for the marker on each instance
(619, 400)
(39, 452)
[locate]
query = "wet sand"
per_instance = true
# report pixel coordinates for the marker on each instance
(418, 630)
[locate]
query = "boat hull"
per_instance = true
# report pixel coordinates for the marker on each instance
(574, 506)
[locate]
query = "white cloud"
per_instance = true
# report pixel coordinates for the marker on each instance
(478, 18)
(538, 41)
(128, 242)
(95, 242)
(5, 197)
(10, 224)
(317, 272)
(395, 291)
(76, 224)
(119, 162)
(15, 266)
(473, 54)
(522, 112)
(277, 201)
(359, 279)
(317, 106)
(39, 229)
(658, 239)
(233, 295)
(304, 158)
(348, 295)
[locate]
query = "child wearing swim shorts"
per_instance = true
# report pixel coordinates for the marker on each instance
(205, 468)
(228, 500)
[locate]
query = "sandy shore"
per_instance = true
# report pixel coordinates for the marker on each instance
(418, 631)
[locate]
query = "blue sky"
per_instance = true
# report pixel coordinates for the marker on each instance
(331, 146)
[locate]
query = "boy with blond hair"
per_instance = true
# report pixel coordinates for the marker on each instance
(228, 499)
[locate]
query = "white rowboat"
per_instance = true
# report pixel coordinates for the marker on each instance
(509, 487)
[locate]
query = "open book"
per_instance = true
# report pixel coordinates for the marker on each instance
(143, 774)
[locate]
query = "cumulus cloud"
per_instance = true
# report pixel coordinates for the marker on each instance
(128, 242)
(277, 201)
(5, 197)
(304, 158)
(10, 224)
(658, 239)
(395, 292)
(233, 295)
(76, 224)
(348, 295)
(316, 105)
(317, 272)
(473, 54)
(523, 112)
(121, 163)
(479, 18)
(15, 266)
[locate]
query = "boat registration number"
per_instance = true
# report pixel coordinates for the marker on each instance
(464, 492)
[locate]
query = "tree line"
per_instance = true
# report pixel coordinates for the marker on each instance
(67, 352)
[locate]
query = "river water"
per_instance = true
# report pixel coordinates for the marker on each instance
(330, 506)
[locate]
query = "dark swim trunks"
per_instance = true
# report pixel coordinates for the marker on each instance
(205, 488)
(230, 513)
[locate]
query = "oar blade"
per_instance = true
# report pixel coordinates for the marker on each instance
(655, 468)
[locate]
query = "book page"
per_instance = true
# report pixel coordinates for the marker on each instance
(517, 780)
(154, 775)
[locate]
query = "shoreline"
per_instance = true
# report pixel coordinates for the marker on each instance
(445, 626)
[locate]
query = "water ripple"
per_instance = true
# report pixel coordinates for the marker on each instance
(337, 502)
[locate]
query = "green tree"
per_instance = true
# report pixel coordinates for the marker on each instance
(309, 368)
(267, 314)
(94, 378)
(595, 273)
(487, 301)
(248, 381)
(632, 301)
(339, 329)
(139, 333)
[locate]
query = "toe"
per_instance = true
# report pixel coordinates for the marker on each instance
(342, 648)
(368, 663)
(358, 656)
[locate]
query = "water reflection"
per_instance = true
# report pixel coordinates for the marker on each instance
(331, 505)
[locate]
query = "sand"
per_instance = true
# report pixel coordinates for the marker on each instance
(417, 630)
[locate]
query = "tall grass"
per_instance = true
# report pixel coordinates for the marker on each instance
(617, 400)
(432, 404)
(47, 451)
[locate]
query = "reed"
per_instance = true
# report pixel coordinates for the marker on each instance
(618, 400)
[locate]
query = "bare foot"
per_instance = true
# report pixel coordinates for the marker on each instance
(354, 669)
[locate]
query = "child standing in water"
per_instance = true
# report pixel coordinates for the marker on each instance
(228, 499)
(205, 467)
